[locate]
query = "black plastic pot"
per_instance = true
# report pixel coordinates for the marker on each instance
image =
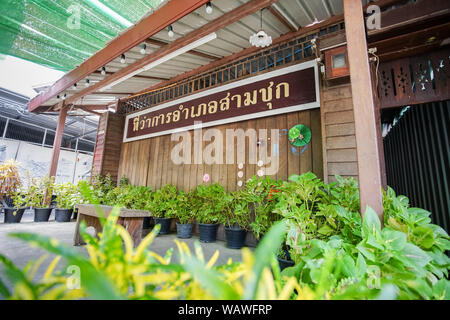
(235, 237)
(75, 214)
(285, 263)
(146, 224)
(165, 225)
(10, 217)
(63, 215)
(208, 232)
(184, 231)
(42, 214)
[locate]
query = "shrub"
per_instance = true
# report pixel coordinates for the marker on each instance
(163, 203)
(210, 201)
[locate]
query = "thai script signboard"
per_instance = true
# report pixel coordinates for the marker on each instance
(281, 91)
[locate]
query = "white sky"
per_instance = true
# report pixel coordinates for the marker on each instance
(20, 75)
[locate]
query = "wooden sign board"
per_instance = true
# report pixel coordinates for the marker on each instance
(289, 89)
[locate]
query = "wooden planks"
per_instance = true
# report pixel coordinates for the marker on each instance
(148, 162)
(339, 133)
(108, 146)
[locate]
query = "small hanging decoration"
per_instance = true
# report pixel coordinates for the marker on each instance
(299, 135)
(261, 38)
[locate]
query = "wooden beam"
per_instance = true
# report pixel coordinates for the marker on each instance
(217, 24)
(302, 31)
(370, 186)
(57, 142)
(160, 19)
(136, 76)
(160, 43)
(281, 18)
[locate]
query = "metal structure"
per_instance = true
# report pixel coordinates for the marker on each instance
(417, 159)
(16, 123)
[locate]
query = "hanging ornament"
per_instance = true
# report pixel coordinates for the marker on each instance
(300, 135)
(261, 38)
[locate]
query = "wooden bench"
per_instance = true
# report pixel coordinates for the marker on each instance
(131, 220)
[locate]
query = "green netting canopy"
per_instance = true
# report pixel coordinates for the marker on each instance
(61, 34)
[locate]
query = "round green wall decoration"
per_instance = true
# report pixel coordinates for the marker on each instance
(299, 135)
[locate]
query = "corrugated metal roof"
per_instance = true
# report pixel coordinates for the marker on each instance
(231, 39)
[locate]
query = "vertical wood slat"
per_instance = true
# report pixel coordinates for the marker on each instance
(148, 161)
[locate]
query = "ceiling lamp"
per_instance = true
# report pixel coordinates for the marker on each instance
(170, 32)
(261, 39)
(209, 9)
(103, 71)
(87, 83)
(144, 47)
(122, 59)
(64, 96)
(75, 86)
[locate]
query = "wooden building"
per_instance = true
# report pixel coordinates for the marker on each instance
(346, 63)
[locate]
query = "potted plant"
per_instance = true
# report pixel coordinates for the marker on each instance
(208, 209)
(10, 181)
(39, 193)
(236, 219)
(14, 214)
(184, 214)
(66, 197)
(162, 206)
(261, 195)
(284, 258)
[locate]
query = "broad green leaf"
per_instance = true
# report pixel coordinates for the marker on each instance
(268, 246)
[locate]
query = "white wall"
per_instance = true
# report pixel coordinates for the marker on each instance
(72, 166)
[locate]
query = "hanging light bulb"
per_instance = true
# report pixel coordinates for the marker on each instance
(209, 9)
(144, 47)
(87, 83)
(64, 96)
(261, 38)
(170, 32)
(75, 86)
(122, 59)
(103, 71)
(57, 97)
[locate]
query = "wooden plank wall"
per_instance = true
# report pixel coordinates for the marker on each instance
(148, 162)
(339, 132)
(99, 145)
(108, 145)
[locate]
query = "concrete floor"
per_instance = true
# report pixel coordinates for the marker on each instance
(21, 253)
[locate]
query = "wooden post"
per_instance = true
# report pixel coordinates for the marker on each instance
(363, 108)
(57, 142)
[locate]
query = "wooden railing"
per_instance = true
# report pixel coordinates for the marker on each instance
(290, 52)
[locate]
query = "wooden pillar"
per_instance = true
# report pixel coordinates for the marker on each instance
(363, 108)
(57, 142)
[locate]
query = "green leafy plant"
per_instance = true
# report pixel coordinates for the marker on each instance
(163, 203)
(236, 211)
(210, 201)
(183, 207)
(261, 195)
(67, 195)
(39, 191)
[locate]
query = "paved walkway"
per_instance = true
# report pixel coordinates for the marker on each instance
(20, 252)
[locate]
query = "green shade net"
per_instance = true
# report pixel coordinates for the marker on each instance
(46, 31)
